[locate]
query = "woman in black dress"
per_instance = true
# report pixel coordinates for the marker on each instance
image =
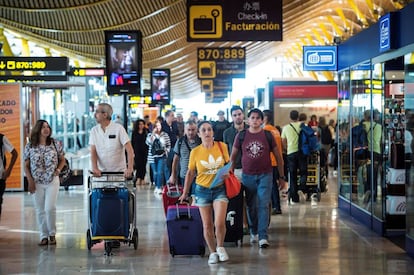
(139, 134)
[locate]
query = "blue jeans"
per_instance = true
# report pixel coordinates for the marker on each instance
(160, 172)
(258, 190)
(206, 196)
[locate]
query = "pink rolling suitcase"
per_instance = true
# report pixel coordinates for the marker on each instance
(170, 195)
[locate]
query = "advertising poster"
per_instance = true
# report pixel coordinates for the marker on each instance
(10, 126)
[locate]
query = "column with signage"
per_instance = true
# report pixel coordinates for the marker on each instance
(230, 20)
(10, 125)
(216, 69)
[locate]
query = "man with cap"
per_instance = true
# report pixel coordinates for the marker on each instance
(220, 125)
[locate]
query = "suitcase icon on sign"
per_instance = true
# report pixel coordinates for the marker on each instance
(207, 69)
(206, 25)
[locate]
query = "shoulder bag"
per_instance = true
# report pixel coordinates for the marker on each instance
(231, 183)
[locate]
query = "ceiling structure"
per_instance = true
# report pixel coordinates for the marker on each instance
(75, 28)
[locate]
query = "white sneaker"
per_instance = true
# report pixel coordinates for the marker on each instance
(263, 243)
(213, 258)
(222, 254)
(254, 238)
(314, 199)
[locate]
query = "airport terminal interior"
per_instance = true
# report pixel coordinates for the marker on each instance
(59, 65)
(307, 238)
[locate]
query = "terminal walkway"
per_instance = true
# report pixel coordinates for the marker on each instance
(305, 239)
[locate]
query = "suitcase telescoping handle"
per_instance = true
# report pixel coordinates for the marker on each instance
(185, 202)
(170, 185)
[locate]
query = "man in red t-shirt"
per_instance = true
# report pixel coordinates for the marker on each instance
(257, 176)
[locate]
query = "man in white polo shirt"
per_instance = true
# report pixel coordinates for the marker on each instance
(108, 142)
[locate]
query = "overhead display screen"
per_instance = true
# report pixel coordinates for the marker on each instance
(123, 61)
(160, 86)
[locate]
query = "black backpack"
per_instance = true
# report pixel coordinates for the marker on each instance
(157, 148)
(182, 140)
(2, 155)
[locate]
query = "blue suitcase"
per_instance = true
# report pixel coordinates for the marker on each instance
(109, 213)
(185, 230)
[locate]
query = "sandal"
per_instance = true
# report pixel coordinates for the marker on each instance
(52, 240)
(43, 242)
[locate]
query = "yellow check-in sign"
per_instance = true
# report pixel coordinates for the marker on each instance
(206, 21)
(207, 85)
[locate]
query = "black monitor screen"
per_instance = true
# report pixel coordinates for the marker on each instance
(123, 61)
(160, 86)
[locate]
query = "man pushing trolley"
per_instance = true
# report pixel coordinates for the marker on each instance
(109, 195)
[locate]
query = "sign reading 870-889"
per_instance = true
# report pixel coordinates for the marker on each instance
(221, 62)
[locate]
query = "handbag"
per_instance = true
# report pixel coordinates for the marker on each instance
(231, 183)
(66, 172)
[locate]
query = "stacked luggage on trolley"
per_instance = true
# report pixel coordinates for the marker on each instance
(112, 216)
(317, 172)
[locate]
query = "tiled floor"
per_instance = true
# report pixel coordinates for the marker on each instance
(305, 239)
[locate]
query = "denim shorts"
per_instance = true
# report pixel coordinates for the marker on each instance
(206, 196)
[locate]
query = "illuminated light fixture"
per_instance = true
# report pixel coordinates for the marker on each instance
(313, 103)
(290, 105)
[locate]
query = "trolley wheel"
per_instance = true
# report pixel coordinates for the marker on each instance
(108, 248)
(135, 238)
(89, 239)
(202, 251)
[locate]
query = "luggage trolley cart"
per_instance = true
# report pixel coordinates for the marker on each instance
(112, 215)
(316, 180)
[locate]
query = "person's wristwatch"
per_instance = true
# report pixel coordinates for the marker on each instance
(283, 178)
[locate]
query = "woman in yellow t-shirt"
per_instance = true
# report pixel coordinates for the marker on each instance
(205, 160)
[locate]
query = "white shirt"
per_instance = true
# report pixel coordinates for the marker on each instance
(109, 146)
(7, 147)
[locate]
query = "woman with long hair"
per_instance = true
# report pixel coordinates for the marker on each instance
(205, 160)
(158, 158)
(139, 135)
(44, 159)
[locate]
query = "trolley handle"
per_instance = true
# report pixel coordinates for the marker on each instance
(108, 173)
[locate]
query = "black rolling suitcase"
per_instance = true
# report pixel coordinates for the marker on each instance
(234, 220)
